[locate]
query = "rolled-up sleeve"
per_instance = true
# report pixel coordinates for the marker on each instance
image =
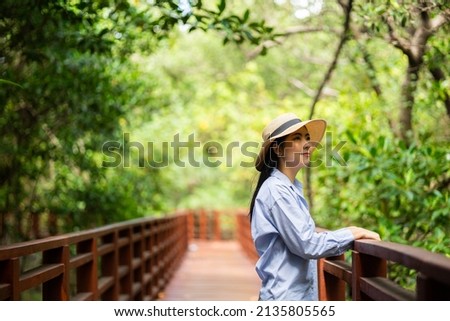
(297, 229)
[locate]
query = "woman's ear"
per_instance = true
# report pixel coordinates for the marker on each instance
(278, 150)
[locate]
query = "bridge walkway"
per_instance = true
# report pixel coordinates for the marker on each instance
(214, 271)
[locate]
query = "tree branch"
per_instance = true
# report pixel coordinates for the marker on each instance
(425, 30)
(310, 92)
(281, 37)
(440, 20)
(371, 71)
(344, 36)
(347, 7)
(395, 39)
(299, 29)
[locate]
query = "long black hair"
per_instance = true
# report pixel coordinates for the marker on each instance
(270, 162)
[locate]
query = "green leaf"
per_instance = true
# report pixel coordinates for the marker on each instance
(222, 6)
(409, 176)
(246, 16)
(351, 136)
(8, 82)
(250, 37)
(263, 51)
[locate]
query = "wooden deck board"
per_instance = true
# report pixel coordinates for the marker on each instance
(214, 271)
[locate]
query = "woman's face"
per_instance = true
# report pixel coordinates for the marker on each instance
(296, 150)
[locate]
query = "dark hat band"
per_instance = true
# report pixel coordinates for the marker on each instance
(284, 126)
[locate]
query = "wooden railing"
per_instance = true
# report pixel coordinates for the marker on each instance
(211, 224)
(244, 235)
(365, 275)
(133, 260)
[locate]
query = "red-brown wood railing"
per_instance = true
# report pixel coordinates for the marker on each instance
(132, 260)
(244, 235)
(365, 277)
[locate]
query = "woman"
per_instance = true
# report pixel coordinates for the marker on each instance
(282, 228)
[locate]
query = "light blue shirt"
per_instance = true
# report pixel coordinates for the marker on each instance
(287, 243)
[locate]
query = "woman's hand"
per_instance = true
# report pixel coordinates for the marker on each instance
(362, 233)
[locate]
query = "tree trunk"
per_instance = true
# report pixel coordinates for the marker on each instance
(414, 48)
(52, 224)
(2, 226)
(35, 226)
(308, 188)
(407, 100)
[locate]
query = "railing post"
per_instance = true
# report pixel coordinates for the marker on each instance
(163, 240)
(87, 274)
(138, 256)
(203, 225)
(126, 264)
(331, 288)
(244, 236)
(10, 274)
(57, 289)
(153, 262)
(216, 225)
(321, 280)
(187, 229)
(364, 265)
(110, 266)
(190, 225)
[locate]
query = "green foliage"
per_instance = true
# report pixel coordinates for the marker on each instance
(196, 15)
(403, 191)
(74, 88)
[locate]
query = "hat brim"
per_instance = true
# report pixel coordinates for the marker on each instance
(316, 129)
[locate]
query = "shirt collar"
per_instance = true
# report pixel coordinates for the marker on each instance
(296, 186)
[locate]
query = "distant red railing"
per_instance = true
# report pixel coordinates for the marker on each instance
(244, 235)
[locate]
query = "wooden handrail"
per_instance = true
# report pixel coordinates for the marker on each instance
(132, 260)
(365, 274)
(415, 258)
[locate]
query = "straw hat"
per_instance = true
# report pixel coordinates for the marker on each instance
(286, 124)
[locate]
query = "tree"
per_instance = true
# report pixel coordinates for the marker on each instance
(62, 56)
(408, 26)
(67, 84)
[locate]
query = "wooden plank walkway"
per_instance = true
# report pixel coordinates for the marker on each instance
(214, 271)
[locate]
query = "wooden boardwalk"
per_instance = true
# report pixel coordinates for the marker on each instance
(214, 271)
